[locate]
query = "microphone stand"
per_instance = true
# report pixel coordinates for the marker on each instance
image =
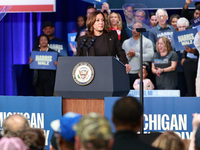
(141, 74)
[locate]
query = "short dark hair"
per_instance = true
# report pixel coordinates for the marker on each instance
(38, 39)
(152, 14)
(47, 24)
(173, 16)
(127, 111)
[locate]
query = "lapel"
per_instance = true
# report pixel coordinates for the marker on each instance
(92, 49)
(108, 42)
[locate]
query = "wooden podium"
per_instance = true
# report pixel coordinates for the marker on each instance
(83, 106)
(110, 79)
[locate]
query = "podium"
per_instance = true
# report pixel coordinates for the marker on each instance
(109, 79)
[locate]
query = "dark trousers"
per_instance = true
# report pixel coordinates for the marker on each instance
(44, 88)
(182, 84)
(190, 72)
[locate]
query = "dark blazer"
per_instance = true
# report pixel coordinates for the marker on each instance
(124, 35)
(111, 41)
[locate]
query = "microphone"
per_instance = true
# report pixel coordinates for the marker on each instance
(140, 29)
(83, 42)
(92, 42)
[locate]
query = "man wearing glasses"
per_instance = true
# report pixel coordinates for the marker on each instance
(162, 29)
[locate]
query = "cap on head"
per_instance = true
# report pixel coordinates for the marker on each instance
(48, 24)
(93, 126)
(14, 143)
(64, 125)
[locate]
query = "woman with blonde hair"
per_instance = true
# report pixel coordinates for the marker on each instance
(169, 141)
(115, 23)
(164, 65)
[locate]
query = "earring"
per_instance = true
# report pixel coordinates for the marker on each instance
(38, 45)
(48, 45)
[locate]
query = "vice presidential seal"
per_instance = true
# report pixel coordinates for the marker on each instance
(83, 73)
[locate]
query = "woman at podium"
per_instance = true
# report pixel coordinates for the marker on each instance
(99, 41)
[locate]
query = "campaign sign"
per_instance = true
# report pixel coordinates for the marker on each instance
(40, 111)
(43, 60)
(183, 38)
(97, 2)
(71, 40)
(163, 113)
(59, 46)
(195, 22)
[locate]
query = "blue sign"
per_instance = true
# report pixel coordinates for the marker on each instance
(40, 111)
(71, 41)
(60, 47)
(97, 2)
(164, 113)
(43, 60)
(183, 38)
(195, 22)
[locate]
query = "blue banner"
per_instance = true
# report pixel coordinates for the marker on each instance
(40, 111)
(97, 2)
(60, 47)
(164, 113)
(43, 60)
(183, 38)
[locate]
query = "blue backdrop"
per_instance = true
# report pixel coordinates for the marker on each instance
(38, 111)
(163, 113)
(18, 31)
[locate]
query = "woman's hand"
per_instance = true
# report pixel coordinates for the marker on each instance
(128, 68)
(182, 61)
(131, 53)
(159, 71)
(73, 48)
(56, 63)
(189, 49)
